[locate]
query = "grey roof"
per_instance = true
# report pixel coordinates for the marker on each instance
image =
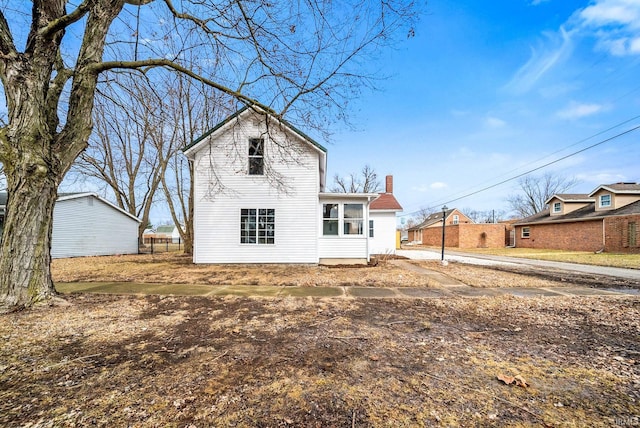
(588, 212)
(432, 219)
(633, 188)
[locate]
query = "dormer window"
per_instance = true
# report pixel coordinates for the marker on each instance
(557, 207)
(605, 201)
(256, 156)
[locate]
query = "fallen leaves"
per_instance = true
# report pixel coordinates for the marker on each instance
(513, 380)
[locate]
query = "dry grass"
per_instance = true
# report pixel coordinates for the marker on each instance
(283, 362)
(631, 261)
(174, 268)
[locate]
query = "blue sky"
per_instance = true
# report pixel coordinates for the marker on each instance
(489, 90)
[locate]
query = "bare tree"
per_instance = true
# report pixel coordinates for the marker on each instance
(536, 190)
(300, 58)
(366, 181)
(190, 110)
(122, 155)
(488, 216)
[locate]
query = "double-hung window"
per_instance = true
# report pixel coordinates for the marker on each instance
(526, 232)
(257, 226)
(353, 219)
(557, 207)
(330, 219)
(456, 219)
(256, 156)
(605, 201)
(340, 219)
(370, 228)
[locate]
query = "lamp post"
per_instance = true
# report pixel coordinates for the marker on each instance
(444, 214)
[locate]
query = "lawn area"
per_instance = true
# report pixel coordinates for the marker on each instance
(631, 261)
(150, 361)
(176, 268)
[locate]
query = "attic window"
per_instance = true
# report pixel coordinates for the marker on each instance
(256, 156)
(456, 219)
(557, 207)
(605, 201)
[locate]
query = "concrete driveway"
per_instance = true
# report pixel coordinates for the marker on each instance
(488, 260)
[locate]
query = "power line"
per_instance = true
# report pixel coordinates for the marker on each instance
(538, 168)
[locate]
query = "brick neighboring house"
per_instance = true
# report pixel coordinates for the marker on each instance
(461, 231)
(606, 219)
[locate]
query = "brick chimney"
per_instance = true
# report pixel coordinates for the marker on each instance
(389, 184)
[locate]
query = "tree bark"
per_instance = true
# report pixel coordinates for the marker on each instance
(25, 275)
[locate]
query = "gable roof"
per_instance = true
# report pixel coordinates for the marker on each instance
(385, 202)
(247, 110)
(570, 197)
(624, 188)
(432, 219)
(195, 143)
(69, 196)
(588, 212)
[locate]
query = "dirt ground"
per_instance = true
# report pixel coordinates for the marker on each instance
(284, 362)
(177, 269)
(150, 361)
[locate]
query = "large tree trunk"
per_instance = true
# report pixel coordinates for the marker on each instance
(25, 275)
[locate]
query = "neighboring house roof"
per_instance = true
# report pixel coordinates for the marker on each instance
(385, 202)
(432, 219)
(629, 188)
(588, 212)
(571, 197)
(165, 229)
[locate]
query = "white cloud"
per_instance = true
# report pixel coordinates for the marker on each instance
(615, 24)
(494, 123)
(537, 2)
(578, 110)
(612, 13)
(541, 61)
(438, 185)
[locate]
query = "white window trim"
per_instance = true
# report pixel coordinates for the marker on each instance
(341, 221)
(528, 232)
(557, 207)
(456, 219)
(257, 228)
(603, 205)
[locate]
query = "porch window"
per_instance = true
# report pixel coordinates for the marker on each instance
(353, 219)
(330, 219)
(256, 156)
(557, 207)
(526, 232)
(605, 201)
(257, 226)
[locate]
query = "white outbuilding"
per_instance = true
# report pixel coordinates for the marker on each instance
(84, 224)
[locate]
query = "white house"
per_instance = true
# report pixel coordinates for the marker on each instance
(382, 221)
(84, 224)
(259, 193)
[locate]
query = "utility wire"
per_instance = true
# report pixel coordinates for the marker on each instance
(537, 168)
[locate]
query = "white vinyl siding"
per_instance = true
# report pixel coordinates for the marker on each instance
(290, 186)
(384, 234)
(87, 226)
